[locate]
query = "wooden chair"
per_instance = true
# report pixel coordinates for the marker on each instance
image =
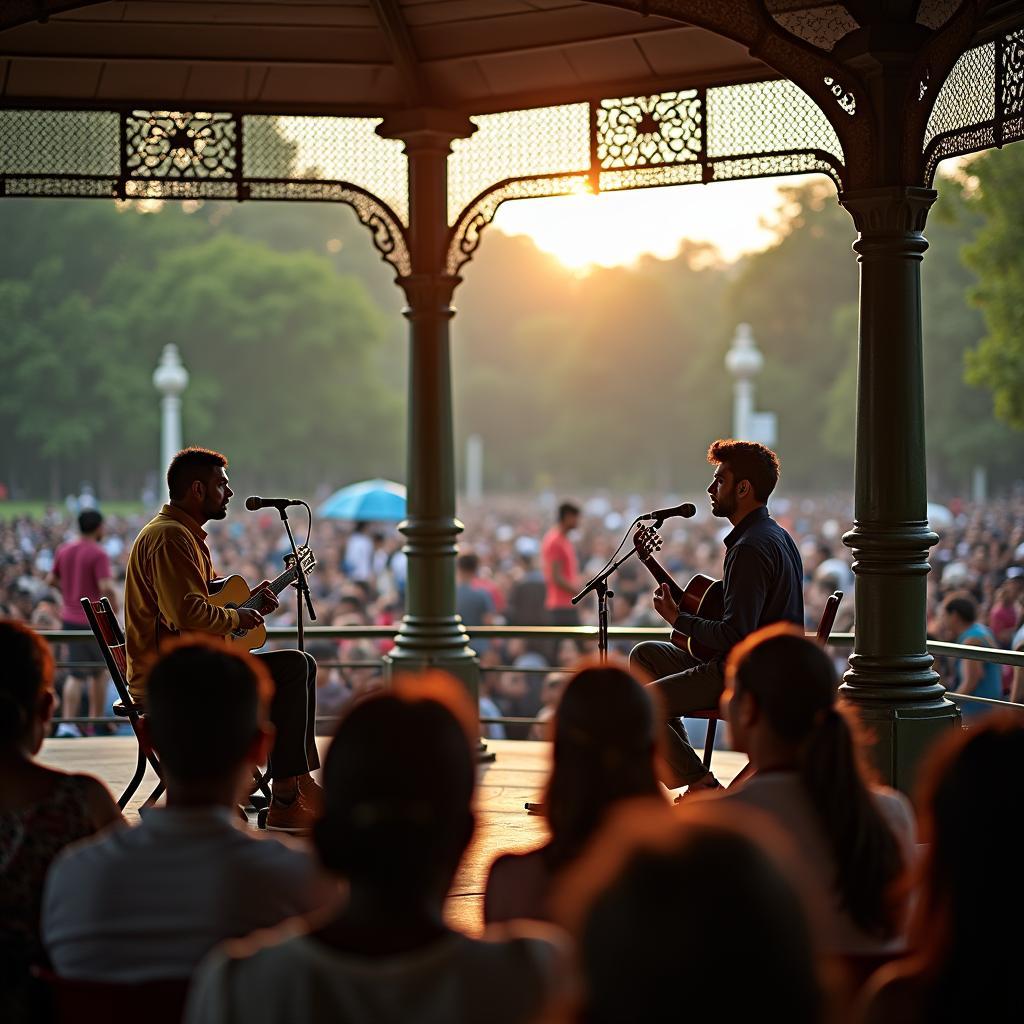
(71, 1001)
(110, 637)
(713, 715)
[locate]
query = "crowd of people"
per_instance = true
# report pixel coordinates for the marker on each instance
(801, 888)
(360, 580)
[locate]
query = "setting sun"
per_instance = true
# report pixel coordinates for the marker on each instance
(617, 228)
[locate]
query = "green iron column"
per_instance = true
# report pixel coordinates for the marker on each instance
(431, 635)
(891, 679)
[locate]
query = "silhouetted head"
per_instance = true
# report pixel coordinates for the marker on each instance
(782, 710)
(89, 522)
(568, 516)
(197, 480)
(746, 473)
(970, 800)
(27, 699)
(687, 916)
(780, 680)
(206, 709)
(399, 780)
(603, 752)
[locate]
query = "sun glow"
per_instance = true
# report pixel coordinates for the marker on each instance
(618, 228)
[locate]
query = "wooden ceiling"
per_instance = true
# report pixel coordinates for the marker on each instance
(363, 57)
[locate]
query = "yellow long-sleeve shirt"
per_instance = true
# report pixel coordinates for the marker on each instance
(166, 591)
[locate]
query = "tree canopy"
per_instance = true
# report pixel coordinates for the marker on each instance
(290, 328)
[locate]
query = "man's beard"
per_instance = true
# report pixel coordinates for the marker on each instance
(724, 509)
(220, 513)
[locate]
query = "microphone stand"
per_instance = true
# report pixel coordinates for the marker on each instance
(301, 586)
(599, 584)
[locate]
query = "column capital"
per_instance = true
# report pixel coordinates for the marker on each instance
(429, 293)
(889, 209)
(426, 128)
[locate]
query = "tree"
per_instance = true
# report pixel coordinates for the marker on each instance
(997, 256)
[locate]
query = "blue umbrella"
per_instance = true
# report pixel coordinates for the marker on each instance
(370, 500)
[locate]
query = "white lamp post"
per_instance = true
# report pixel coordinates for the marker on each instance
(170, 378)
(744, 361)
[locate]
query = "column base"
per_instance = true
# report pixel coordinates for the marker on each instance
(899, 736)
(423, 643)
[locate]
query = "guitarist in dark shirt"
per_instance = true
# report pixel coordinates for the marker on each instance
(763, 583)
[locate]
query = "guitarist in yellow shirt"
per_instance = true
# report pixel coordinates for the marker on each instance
(167, 592)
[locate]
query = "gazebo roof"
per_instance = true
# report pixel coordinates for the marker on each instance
(364, 57)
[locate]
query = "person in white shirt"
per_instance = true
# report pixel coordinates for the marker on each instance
(149, 902)
(399, 782)
(856, 840)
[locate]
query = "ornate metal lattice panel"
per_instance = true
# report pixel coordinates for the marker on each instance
(386, 231)
(980, 104)
(673, 138)
(968, 94)
(464, 237)
(651, 177)
(518, 144)
(761, 118)
(169, 146)
(138, 154)
(1011, 94)
(821, 26)
(648, 131)
(37, 142)
(346, 149)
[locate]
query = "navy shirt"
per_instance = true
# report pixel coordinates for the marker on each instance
(763, 584)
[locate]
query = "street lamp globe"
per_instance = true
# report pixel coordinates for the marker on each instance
(744, 359)
(170, 377)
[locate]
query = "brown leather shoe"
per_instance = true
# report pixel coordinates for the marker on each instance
(313, 793)
(295, 817)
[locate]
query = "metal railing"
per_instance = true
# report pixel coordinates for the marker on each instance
(615, 634)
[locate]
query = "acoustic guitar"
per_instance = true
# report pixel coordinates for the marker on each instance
(702, 596)
(234, 592)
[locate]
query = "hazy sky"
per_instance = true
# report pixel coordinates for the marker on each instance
(615, 228)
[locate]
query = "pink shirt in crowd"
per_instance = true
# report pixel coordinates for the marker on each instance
(557, 549)
(79, 567)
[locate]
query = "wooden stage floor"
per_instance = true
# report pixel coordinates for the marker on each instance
(516, 775)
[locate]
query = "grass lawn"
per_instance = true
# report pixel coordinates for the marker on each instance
(36, 509)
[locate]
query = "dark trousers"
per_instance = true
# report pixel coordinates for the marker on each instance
(681, 685)
(293, 712)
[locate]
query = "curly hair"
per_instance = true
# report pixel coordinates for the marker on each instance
(748, 460)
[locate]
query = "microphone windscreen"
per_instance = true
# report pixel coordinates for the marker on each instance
(254, 503)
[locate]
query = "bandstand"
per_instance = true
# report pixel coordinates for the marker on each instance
(424, 116)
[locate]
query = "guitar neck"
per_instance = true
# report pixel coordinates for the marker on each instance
(276, 585)
(661, 574)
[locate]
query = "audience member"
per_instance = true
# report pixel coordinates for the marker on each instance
(680, 916)
(856, 840)
(561, 567)
(965, 959)
(81, 568)
(41, 809)
(396, 833)
(978, 678)
(149, 902)
(603, 753)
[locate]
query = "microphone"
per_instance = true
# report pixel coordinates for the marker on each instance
(687, 510)
(254, 503)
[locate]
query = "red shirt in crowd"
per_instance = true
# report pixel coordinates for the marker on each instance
(79, 566)
(557, 549)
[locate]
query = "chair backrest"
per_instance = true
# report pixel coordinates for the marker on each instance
(81, 1002)
(109, 636)
(828, 618)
